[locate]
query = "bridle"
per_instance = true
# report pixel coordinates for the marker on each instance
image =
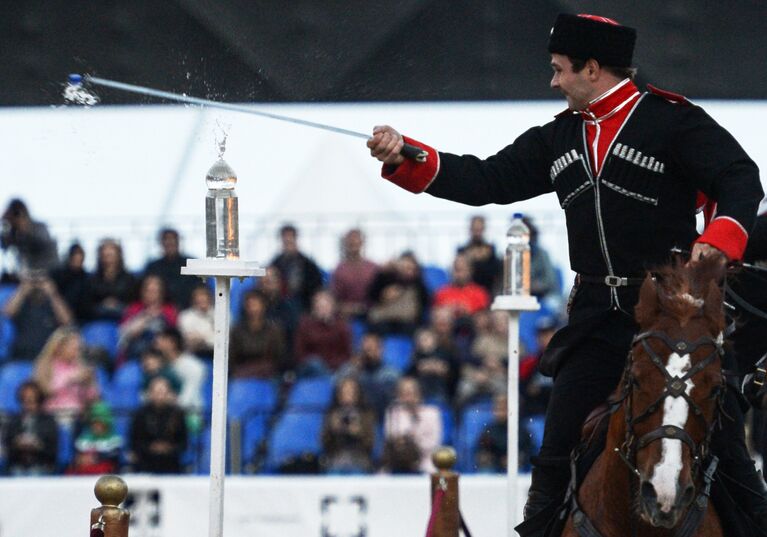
(675, 387)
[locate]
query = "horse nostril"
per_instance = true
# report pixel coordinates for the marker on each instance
(648, 493)
(688, 495)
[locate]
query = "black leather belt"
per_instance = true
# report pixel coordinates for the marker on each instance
(611, 281)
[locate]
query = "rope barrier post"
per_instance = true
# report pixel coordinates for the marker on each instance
(110, 520)
(445, 517)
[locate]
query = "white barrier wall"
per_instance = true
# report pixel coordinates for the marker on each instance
(379, 506)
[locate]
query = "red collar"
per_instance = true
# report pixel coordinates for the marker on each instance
(611, 101)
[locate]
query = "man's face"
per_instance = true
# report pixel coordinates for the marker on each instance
(169, 243)
(477, 229)
(289, 242)
(576, 87)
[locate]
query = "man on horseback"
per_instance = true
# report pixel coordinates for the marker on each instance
(627, 167)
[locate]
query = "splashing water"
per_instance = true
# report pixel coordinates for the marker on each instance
(222, 132)
(75, 93)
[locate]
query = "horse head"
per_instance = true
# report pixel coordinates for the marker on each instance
(673, 385)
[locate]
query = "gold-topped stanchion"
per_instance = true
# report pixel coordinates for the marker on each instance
(110, 520)
(445, 517)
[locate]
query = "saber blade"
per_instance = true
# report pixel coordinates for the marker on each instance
(408, 150)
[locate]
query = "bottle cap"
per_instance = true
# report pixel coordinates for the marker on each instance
(74, 78)
(517, 215)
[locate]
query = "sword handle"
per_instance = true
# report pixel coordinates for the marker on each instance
(413, 152)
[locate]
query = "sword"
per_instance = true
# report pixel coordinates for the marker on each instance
(76, 81)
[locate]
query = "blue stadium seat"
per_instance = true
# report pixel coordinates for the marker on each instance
(248, 395)
(7, 335)
(528, 335)
(102, 334)
(475, 419)
(359, 329)
(448, 424)
(66, 448)
(102, 378)
(6, 292)
(434, 277)
(295, 433)
(398, 352)
(312, 394)
(125, 392)
(12, 375)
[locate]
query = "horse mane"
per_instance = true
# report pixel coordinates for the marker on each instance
(682, 290)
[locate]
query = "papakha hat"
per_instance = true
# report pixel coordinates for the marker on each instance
(591, 36)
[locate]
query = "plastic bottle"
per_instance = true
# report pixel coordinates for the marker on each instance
(221, 212)
(516, 263)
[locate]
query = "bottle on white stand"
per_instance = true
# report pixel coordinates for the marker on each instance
(516, 263)
(515, 299)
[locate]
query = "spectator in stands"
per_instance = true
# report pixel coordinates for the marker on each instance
(31, 438)
(492, 447)
(68, 382)
(154, 364)
(146, 318)
(323, 339)
(301, 275)
(71, 281)
(188, 368)
(378, 381)
(409, 422)
(196, 323)
(257, 347)
(35, 249)
(158, 433)
(282, 310)
(36, 310)
(348, 431)
(168, 267)
(543, 277)
(462, 295)
(443, 325)
(434, 367)
(352, 277)
(111, 288)
(486, 267)
(398, 297)
(98, 448)
(535, 389)
(492, 336)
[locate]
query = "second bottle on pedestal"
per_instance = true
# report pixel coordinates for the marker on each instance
(516, 263)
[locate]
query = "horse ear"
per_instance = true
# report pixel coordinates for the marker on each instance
(648, 307)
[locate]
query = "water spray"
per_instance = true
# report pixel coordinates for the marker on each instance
(77, 92)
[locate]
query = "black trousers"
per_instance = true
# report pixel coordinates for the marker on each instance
(584, 381)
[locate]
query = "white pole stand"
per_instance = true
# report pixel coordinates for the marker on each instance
(223, 270)
(514, 304)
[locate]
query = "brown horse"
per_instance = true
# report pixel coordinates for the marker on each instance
(652, 478)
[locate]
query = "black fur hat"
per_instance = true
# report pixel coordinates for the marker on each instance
(589, 36)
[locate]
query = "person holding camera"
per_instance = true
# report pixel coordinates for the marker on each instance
(348, 431)
(36, 310)
(35, 249)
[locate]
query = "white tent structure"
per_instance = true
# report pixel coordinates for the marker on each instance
(125, 171)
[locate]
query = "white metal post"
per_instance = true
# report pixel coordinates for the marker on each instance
(514, 305)
(218, 407)
(223, 270)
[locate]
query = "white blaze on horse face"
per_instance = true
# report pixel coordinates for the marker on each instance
(675, 412)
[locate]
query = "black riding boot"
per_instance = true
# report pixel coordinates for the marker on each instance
(737, 474)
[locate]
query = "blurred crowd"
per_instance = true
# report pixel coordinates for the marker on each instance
(110, 370)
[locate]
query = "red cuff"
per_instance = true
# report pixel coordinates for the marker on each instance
(726, 234)
(411, 175)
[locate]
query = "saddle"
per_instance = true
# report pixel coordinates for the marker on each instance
(550, 521)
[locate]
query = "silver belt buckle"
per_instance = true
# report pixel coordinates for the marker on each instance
(616, 281)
